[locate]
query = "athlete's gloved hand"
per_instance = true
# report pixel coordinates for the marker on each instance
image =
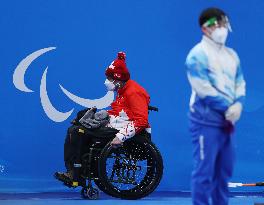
(116, 142)
(233, 113)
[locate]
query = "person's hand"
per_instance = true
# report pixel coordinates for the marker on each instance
(116, 142)
(233, 113)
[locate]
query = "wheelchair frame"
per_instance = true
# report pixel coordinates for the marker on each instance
(94, 167)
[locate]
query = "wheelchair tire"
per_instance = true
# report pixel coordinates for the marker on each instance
(102, 187)
(149, 155)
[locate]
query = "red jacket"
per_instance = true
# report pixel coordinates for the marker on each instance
(129, 112)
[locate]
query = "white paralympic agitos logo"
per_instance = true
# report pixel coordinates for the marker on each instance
(49, 109)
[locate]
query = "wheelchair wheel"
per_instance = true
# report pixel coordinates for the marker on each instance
(90, 193)
(102, 187)
(132, 171)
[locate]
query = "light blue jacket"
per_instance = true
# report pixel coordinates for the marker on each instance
(216, 79)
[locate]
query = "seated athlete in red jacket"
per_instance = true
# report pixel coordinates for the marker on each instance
(128, 116)
(129, 112)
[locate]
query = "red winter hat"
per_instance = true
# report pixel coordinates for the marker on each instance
(118, 70)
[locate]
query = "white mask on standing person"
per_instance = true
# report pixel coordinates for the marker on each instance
(219, 35)
(109, 85)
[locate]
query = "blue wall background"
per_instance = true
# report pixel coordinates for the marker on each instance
(156, 35)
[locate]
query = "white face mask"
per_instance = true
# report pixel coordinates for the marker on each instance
(219, 35)
(109, 85)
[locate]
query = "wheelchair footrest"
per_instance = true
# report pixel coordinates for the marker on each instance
(66, 180)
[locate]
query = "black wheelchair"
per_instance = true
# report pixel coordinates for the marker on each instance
(130, 171)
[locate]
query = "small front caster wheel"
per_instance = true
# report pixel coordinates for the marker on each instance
(90, 193)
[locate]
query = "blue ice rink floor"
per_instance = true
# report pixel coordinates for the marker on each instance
(163, 198)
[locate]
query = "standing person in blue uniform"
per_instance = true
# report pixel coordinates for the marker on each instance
(218, 92)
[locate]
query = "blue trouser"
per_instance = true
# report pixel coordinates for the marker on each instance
(213, 155)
